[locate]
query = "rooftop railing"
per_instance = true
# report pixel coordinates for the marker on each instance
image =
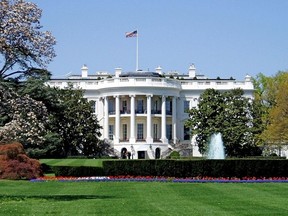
(118, 82)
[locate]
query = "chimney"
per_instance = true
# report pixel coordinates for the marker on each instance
(118, 72)
(159, 70)
(248, 78)
(192, 71)
(84, 71)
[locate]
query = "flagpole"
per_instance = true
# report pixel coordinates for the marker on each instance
(137, 36)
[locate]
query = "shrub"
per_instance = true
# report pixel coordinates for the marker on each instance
(15, 164)
(174, 155)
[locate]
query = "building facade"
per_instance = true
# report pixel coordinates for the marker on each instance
(142, 114)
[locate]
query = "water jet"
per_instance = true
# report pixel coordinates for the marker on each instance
(216, 147)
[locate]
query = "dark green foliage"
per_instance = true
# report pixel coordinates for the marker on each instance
(73, 128)
(228, 113)
(79, 171)
(198, 168)
(174, 155)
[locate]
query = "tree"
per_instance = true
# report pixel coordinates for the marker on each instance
(22, 119)
(15, 164)
(77, 124)
(228, 113)
(73, 127)
(24, 48)
(275, 130)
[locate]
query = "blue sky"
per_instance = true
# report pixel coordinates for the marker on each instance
(223, 38)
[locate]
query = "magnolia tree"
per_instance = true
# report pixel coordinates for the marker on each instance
(228, 113)
(24, 48)
(22, 119)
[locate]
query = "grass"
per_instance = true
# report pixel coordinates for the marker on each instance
(140, 198)
(73, 162)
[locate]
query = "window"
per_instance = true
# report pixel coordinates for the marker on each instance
(186, 133)
(124, 127)
(186, 106)
(155, 132)
(168, 107)
(169, 131)
(140, 135)
(124, 106)
(111, 106)
(111, 132)
(140, 105)
(156, 109)
(156, 105)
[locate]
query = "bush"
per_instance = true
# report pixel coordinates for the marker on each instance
(15, 164)
(174, 155)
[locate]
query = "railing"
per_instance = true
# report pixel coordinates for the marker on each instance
(118, 82)
(157, 140)
(124, 140)
(125, 111)
(155, 111)
(168, 112)
(141, 111)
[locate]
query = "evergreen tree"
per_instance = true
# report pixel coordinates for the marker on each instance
(228, 113)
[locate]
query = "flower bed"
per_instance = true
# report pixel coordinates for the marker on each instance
(163, 179)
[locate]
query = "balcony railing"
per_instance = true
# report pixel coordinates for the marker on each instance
(155, 111)
(125, 111)
(156, 140)
(141, 111)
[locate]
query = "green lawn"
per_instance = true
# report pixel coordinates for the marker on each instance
(138, 198)
(73, 162)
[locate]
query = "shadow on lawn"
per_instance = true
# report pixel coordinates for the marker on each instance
(52, 197)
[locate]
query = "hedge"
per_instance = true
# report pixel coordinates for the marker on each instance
(79, 171)
(192, 168)
(181, 168)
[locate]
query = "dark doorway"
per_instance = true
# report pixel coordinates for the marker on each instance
(123, 153)
(141, 154)
(157, 153)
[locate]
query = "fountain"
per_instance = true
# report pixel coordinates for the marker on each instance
(216, 147)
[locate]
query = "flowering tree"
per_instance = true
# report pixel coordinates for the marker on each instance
(24, 48)
(21, 119)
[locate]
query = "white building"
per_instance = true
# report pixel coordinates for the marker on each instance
(143, 113)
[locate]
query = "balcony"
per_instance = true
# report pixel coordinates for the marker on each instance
(156, 140)
(140, 111)
(155, 111)
(125, 111)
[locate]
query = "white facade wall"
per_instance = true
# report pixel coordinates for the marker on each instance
(162, 101)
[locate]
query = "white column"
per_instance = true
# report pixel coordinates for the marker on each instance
(117, 119)
(132, 119)
(106, 118)
(163, 120)
(149, 126)
(174, 124)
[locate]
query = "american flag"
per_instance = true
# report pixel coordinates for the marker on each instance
(131, 34)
